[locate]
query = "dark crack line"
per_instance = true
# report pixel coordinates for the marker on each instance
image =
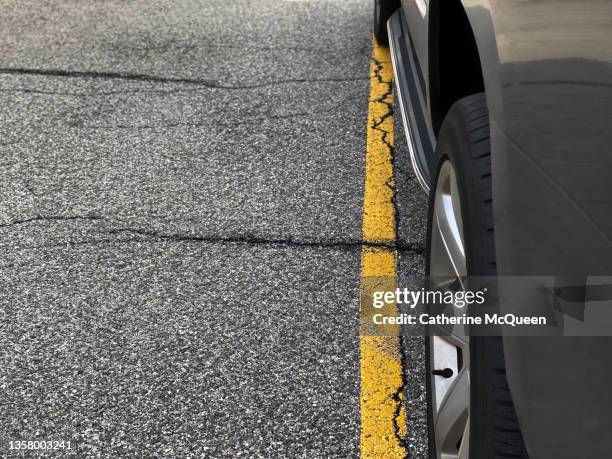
(153, 236)
(43, 218)
(399, 396)
(400, 399)
(255, 240)
(28, 187)
(239, 240)
(104, 75)
(209, 84)
(384, 99)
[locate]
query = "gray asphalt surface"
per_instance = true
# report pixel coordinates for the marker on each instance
(181, 192)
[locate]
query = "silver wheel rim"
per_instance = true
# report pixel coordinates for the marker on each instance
(449, 349)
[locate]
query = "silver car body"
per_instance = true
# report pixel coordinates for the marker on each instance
(547, 74)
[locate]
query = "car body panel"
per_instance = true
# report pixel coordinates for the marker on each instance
(547, 69)
(418, 21)
(548, 77)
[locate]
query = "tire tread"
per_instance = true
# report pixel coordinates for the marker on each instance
(497, 422)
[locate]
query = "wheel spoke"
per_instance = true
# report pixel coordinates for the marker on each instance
(464, 450)
(447, 214)
(453, 414)
(454, 188)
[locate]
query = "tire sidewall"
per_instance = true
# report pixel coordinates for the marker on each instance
(457, 144)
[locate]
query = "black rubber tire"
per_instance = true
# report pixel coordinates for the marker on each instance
(383, 9)
(465, 141)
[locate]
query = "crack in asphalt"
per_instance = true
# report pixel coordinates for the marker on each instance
(45, 218)
(386, 100)
(257, 240)
(247, 239)
(104, 75)
(399, 396)
(147, 78)
(400, 399)
(29, 189)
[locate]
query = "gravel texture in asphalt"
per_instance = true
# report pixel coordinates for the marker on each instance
(181, 192)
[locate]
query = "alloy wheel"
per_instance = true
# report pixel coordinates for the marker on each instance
(449, 348)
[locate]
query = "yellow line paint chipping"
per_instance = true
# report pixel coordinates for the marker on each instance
(383, 417)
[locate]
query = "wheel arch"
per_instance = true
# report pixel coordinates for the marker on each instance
(455, 65)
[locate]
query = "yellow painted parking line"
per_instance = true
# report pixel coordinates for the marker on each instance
(383, 417)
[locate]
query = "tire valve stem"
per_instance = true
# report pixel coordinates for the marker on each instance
(446, 373)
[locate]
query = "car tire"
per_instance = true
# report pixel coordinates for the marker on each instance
(383, 9)
(464, 145)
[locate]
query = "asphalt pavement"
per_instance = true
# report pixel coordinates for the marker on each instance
(181, 190)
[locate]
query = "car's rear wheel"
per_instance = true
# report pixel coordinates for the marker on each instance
(383, 9)
(471, 414)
